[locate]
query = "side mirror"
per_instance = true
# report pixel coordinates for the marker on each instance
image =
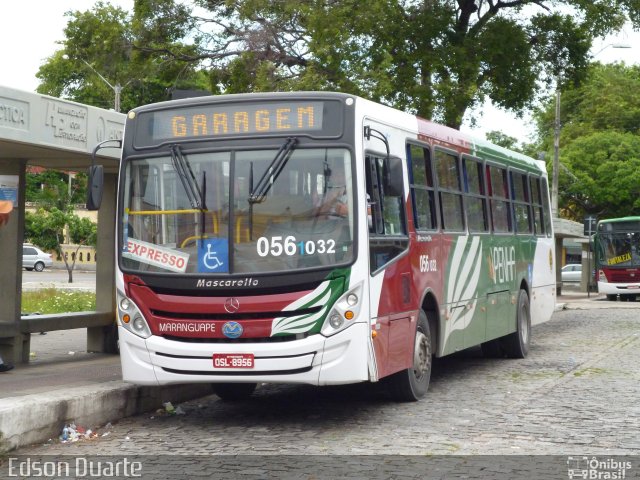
(95, 185)
(393, 182)
(95, 182)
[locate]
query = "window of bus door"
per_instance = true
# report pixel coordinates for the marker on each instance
(226, 230)
(388, 231)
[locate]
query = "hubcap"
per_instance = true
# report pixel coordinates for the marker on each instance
(524, 323)
(421, 355)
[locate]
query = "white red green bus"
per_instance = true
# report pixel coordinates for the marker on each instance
(323, 239)
(617, 246)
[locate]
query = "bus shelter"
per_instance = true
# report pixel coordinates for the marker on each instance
(53, 133)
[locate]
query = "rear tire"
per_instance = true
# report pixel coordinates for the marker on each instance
(233, 391)
(516, 344)
(411, 384)
(39, 266)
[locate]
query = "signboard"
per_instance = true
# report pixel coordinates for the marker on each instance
(9, 188)
(590, 225)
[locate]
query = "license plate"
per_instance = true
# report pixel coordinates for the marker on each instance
(233, 360)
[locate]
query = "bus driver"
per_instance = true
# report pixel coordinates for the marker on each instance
(333, 203)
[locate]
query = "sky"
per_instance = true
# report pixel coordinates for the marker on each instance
(26, 45)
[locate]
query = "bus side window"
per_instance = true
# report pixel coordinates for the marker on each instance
(500, 205)
(387, 232)
(422, 188)
(521, 208)
(449, 191)
(546, 207)
(475, 195)
(536, 202)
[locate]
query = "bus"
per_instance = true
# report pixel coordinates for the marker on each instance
(320, 238)
(617, 248)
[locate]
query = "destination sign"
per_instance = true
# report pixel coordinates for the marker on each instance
(215, 120)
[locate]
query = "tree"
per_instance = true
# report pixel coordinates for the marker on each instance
(599, 143)
(103, 37)
(46, 230)
(50, 188)
(502, 139)
(436, 58)
(602, 176)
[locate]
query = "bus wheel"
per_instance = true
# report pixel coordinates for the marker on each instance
(233, 391)
(516, 344)
(411, 384)
(612, 298)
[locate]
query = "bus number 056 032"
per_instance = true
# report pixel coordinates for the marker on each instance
(277, 246)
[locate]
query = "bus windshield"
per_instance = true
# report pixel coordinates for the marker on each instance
(619, 249)
(202, 213)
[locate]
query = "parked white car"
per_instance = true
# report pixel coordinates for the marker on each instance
(35, 259)
(571, 272)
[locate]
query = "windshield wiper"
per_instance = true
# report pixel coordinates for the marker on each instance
(188, 179)
(273, 171)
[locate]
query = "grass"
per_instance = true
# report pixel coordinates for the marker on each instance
(52, 300)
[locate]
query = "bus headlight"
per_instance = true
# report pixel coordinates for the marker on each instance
(602, 277)
(131, 318)
(344, 312)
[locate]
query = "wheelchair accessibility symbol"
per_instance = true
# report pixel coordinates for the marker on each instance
(213, 255)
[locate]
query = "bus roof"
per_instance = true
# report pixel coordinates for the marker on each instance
(620, 220)
(476, 146)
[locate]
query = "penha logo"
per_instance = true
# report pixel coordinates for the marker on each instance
(232, 330)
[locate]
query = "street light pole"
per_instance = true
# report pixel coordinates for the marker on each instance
(556, 155)
(117, 89)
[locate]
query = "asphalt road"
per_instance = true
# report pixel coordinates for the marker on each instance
(58, 278)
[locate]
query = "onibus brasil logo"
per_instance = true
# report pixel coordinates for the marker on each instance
(595, 468)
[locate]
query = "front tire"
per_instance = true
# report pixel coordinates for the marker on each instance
(412, 384)
(233, 391)
(516, 344)
(39, 266)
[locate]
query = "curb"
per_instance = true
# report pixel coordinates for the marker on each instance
(36, 418)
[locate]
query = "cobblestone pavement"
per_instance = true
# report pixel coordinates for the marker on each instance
(575, 394)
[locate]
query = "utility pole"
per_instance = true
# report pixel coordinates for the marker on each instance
(556, 155)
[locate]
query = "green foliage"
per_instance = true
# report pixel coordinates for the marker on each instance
(50, 188)
(98, 54)
(604, 175)
(436, 58)
(503, 140)
(599, 143)
(45, 228)
(51, 300)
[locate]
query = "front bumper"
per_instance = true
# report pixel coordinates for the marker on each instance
(619, 288)
(316, 360)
